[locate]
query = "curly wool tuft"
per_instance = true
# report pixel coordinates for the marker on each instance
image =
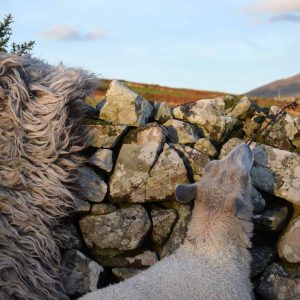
(41, 110)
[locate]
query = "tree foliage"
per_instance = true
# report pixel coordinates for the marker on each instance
(5, 36)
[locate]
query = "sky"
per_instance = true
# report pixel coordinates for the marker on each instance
(228, 45)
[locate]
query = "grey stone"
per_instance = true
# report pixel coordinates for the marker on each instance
(182, 132)
(257, 199)
(103, 159)
(206, 146)
(162, 112)
(80, 275)
(136, 158)
(262, 256)
(124, 106)
(82, 206)
(72, 238)
(92, 186)
(168, 171)
(105, 135)
(243, 109)
(134, 260)
(194, 160)
(178, 234)
(211, 115)
(276, 284)
(126, 273)
(289, 242)
(274, 171)
(272, 219)
(122, 229)
(103, 208)
(162, 221)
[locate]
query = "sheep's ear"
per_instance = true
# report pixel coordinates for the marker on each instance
(186, 193)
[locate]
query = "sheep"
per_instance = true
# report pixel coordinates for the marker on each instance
(41, 110)
(213, 262)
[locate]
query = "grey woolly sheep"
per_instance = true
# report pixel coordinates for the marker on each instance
(213, 262)
(41, 108)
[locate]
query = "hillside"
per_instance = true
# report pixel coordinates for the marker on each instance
(177, 96)
(284, 88)
(154, 92)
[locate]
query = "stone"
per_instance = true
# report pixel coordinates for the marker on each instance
(135, 260)
(262, 256)
(276, 283)
(272, 219)
(92, 186)
(162, 222)
(274, 171)
(103, 159)
(289, 242)
(178, 234)
(82, 206)
(80, 275)
(195, 161)
(182, 132)
(125, 273)
(72, 238)
(137, 156)
(167, 172)
(124, 106)
(252, 125)
(122, 229)
(103, 208)
(162, 112)
(243, 109)
(258, 200)
(105, 135)
(205, 146)
(211, 115)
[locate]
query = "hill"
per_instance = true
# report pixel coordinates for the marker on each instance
(284, 88)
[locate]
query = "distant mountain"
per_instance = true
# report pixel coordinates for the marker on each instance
(289, 87)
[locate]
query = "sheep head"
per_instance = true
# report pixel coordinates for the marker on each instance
(225, 187)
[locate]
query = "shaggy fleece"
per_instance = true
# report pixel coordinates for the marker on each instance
(41, 109)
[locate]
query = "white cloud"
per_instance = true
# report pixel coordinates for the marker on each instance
(63, 33)
(274, 10)
(274, 7)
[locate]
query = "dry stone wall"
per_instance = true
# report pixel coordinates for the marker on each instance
(139, 151)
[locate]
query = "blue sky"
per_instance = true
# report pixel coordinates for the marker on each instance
(227, 45)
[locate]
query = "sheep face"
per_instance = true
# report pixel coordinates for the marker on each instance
(225, 187)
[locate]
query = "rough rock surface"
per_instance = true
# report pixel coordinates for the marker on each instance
(103, 208)
(210, 115)
(277, 284)
(178, 234)
(162, 221)
(275, 171)
(162, 112)
(123, 229)
(82, 206)
(272, 219)
(243, 109)
(92, 185)
(262, 256)
(124, 106)
(168, 171)
(105, 135)
(73, 239)
(136, 158)
(126, 273)
(182, 132)
(80, 275)
(289, 243)
(205, 146)
(194, 160)
(143, 259)
(103, 159)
